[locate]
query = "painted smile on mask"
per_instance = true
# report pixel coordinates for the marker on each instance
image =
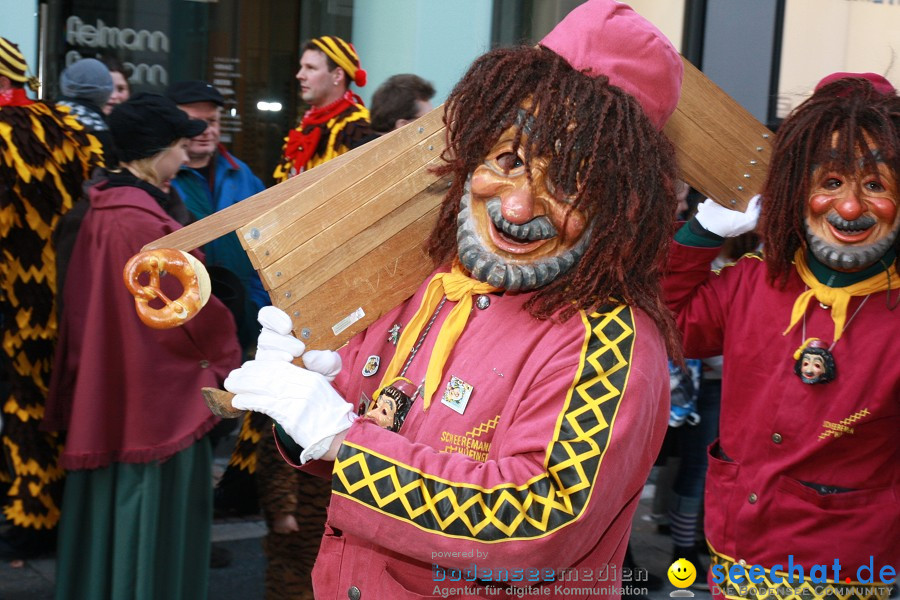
(517, 237)
(851, 231)
(504, 271)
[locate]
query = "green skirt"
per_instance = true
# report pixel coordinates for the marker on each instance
(137, 531)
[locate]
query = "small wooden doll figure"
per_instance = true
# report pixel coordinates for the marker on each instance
(391, 405)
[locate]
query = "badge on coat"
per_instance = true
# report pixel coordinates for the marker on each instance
(371, 366)
(457, 394)
(394, 334)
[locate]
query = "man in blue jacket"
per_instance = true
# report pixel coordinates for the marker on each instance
(212, 180)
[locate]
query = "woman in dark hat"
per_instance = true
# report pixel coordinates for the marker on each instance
(137, 508)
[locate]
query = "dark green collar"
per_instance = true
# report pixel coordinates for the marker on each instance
(833, 278)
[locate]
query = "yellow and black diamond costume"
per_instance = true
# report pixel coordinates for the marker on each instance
(45, 155)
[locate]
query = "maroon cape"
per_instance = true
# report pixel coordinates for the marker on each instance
(123, 391)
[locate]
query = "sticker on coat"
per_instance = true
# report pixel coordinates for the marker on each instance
(457, 394)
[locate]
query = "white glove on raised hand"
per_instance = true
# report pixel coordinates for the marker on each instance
(301, 400)
(276, 343)
(275, 340)
(725, 222)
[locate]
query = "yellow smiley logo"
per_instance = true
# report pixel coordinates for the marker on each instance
(682, 573)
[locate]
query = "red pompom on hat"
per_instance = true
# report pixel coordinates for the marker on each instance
(604, 37)
(360, 77)
(880, 84)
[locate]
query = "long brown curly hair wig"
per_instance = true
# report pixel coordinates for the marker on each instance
(853, 109)
(602, 148)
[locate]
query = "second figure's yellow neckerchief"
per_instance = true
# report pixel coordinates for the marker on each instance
(838, 298)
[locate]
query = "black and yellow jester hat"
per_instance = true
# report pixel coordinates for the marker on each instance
(13, 65)
(344, 55)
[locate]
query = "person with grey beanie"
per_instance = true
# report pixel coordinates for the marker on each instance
(85, 86)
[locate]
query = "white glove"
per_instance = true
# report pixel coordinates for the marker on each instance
(275, 340)
(276, 343)
(326, 362)
(301, 400)
(725, 222)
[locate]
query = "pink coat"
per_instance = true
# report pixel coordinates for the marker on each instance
(779, 437)
(542, 470)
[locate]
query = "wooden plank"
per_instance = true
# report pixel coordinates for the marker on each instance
(329, 224)
(370, 240)
(345, 235)
(380, 280)
(367, 163)
(723, 151)
(280, 199)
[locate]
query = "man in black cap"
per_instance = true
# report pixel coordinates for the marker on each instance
(212, 180)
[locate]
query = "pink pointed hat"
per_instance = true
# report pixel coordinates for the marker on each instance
(604, 37)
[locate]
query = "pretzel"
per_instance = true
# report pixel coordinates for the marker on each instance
(189, 272)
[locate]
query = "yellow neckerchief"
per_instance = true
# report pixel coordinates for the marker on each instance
(459, 288)
(836, 297)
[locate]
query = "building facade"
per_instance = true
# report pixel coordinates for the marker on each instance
(768, 54)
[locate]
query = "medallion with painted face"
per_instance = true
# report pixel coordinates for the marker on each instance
(815, 365)
(852, 219)
(514, 233)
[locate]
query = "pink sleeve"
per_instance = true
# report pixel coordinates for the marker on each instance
(699, 298)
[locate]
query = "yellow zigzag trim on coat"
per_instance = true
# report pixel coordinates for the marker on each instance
(243, 455)
(483, 428)
(30, 466)
(547, 502)
(336, 126)
(44, 172)
(17, 515)
(333, 128)
(23, 413)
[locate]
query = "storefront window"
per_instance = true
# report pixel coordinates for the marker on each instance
(248, 49)
(526, 21)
